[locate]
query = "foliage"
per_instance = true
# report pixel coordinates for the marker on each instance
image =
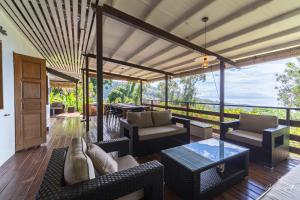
(189, 86)
(289, 89)
(126, 93)
(183, 89)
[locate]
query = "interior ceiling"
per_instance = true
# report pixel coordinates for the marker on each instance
(64, 29)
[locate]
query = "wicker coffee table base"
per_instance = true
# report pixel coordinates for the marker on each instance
(207, 181)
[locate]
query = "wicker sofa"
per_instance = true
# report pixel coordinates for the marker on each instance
(151, 131)
(147, 177)
(268, 141)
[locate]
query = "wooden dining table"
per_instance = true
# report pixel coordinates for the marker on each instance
(128, 107)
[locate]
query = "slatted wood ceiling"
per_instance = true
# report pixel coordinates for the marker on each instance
(64, 29)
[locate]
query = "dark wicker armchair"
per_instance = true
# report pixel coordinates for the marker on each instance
(147, 176)
(140, 147)
(270, 145)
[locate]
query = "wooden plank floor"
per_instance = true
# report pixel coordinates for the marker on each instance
(22, 174)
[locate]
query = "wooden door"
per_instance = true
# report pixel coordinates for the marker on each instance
(30, 101)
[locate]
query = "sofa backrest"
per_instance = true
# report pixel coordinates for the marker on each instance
(148, 119)
(57, 104)
(161, 118)
(141, 119)
(257, 123)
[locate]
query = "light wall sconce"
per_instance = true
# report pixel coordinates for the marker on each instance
(3, 31)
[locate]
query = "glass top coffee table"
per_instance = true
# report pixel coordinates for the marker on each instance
(203, 168)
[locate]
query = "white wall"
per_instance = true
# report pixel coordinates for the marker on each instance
(15, 41)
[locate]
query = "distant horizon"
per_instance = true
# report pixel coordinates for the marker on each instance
(251, 85)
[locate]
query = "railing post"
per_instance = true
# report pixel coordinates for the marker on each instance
(288, 116)
(187, 108)
(141, 92)
(151, 105)
(222, 88)
(166, 91)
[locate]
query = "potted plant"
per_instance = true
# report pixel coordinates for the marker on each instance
(70, 101)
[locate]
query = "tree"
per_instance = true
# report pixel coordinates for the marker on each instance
(189, 86)
(127, 93)
(289, 89)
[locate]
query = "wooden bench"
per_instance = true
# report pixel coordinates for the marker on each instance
(200, 129)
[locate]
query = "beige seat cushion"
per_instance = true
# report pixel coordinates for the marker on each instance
(127, 162)
(286, 188)
(257, 123)
(247, 137)
(103, 162)
(162, 118)
(161, 131)
(78, 166)
(141, 119)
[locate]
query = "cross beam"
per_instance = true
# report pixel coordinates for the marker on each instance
(120, 62)
(117, 75)
(62, 75)
(153, 30)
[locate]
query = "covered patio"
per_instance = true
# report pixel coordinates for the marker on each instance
(147, 41)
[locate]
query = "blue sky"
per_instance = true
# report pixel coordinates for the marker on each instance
(253, 85)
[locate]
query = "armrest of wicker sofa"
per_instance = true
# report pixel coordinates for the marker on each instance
(270, 135)
(120, 144)
(226, 125)
(127, 129)
(130, 131)
(185, 122)
(148, 176)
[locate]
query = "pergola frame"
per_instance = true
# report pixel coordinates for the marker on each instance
(130, 64)
(148, 28)
(66, 77)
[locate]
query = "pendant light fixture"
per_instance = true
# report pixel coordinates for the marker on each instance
(205, 59)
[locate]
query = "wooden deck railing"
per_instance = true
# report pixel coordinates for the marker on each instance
(190, 110)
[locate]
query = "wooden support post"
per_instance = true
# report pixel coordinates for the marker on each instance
(83, 96)
(152, 105)
(222, 88)
(187, 108)
(87, 105)
(141, 92)
(99, 49)
(288, 116)
(76, 93)
(166, 91)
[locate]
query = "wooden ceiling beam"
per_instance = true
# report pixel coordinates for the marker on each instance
(146, 27)
(62, 75)
(256, 59)
(176, 23)
(116, 75)
(154, 4)
(259, 25)
(187, 15)
(237, 47)
(22, 25)
(137, 66)
(243, 11)
(130, 64)
(262, 39)
(43, 19)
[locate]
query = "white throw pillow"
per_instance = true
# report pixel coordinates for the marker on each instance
(102, 161)
(78, 166)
